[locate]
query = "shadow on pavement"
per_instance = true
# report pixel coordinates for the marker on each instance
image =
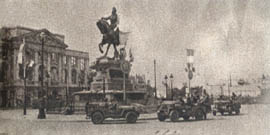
(66, 121)
(122, 122)
(89, 121)
(191, 120)
(233, 115)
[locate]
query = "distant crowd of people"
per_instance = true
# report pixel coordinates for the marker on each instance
(234, 97)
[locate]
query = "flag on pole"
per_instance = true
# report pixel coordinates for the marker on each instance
(190, 55)
(123, 37)
(21, 52)
(131, 58)
(29, 69)
(21, 61)
(31, 63)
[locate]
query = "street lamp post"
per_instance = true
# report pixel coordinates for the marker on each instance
(41, 113)
(25, 91)
(24, 66)
(190, 69)
(103, 84)
(166, 85)
(47, 92)
(125, 66)
(124, 88)
(171, 78)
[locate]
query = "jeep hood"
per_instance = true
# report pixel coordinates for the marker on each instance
(126, 107)
(168, 102)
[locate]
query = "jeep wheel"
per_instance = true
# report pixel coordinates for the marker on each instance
(131, 117)
(199, 114)
(174, 116)
(186, 118)
(222, 113)
(161, 117)
(214, 113)
(237, 112)
(97, 118)
(230, 110)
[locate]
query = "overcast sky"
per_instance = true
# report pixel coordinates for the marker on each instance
(229, 36)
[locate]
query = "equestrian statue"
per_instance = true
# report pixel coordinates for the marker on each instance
(110, 32)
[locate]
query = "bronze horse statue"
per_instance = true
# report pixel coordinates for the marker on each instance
(110, 37)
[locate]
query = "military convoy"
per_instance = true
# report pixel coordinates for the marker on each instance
(98, 108)
(99, 111)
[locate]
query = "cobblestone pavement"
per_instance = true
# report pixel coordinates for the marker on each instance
(254, 120)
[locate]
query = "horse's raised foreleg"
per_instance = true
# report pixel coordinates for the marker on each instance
(100, 47)
(108, 47)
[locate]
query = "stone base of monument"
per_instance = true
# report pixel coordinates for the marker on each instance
(109, 79)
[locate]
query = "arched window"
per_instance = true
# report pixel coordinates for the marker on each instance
(54, 74)
(73, 61)
(81, 77)
(30, 73)
(74, 76)
(64, 75)
(64, 60)
(82, 64)
(3, 71)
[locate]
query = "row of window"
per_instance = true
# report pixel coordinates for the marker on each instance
(73, 76)
(74, 62)
(54, 59)
(54, 75)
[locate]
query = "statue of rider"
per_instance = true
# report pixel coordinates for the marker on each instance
(110, 31)
(113, 18)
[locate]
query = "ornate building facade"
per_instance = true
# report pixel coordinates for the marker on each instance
(65, 70)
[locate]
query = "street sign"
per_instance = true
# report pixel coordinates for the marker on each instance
(125, 66)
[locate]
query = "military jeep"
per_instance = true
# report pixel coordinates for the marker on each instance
(174, 110)
(99, 111)
(226, 106)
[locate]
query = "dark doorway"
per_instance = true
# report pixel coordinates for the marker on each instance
(4, 98)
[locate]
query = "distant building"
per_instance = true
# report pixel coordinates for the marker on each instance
(238, 86)
(139, 82)
(65, 70)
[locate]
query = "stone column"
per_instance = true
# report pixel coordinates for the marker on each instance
(16, 65)
(49, 68)
(77, 70)
(36, 74)
(60, 69)
(69, 69)
(86, 71)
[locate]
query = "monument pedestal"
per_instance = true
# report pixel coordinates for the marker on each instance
(110, 75)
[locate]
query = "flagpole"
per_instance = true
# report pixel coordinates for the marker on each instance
(124, 87)
(155, 79)
(229, 85)
(24, 80)
(189, 86)
(41, 112)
